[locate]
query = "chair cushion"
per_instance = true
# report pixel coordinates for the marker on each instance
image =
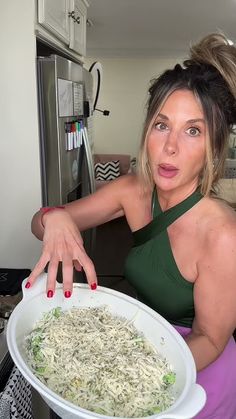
(107, 171)
(124, 160)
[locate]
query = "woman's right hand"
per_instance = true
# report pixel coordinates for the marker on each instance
(62, 242)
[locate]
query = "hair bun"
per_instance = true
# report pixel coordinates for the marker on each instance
(215, 50)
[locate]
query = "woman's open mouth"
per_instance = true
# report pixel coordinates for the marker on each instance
(167, 170)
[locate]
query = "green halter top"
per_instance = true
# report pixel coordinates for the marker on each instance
(151, 268)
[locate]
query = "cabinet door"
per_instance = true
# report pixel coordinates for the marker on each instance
(53, 15)
(78, 26)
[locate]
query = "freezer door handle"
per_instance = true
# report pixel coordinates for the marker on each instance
(89, 158)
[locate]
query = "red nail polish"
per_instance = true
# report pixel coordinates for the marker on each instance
(93, 286)
(27, 285)
(50, 294)
(67, 294)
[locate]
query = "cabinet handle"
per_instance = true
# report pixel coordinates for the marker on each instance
(72, 14)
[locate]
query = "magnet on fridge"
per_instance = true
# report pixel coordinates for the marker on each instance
(73, 129)
(67, 130)
(77, 133)
(70, 137)
(81, 132)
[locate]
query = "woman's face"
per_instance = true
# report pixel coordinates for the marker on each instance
(177, 143)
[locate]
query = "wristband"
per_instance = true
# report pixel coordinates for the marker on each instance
(44, 210)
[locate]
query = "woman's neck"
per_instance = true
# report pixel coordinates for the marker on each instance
(168, 199)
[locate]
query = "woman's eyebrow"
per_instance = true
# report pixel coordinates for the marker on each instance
(161, 115)
(192, 121)
(189, 121)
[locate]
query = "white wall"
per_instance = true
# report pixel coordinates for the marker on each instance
(124, 93)
(19, 146)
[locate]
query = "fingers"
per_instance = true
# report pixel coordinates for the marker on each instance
(77, 265)
(38, 269)
(89, 270)
(67, 272)
(63, 248)
(51, 278)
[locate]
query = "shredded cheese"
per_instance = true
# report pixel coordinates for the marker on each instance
(100, 362)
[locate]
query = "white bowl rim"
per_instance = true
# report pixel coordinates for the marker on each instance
(60, 401)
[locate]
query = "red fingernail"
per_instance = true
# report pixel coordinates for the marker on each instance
(93, 286)
(67, 294)
(27, 285)
(50, 294)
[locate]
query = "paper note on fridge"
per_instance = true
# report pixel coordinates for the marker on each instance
(65, 97)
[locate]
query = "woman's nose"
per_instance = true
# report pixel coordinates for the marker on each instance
(171, 144)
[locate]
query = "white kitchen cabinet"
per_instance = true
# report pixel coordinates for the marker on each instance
(53, 15)
(78, 26)
(65, 19)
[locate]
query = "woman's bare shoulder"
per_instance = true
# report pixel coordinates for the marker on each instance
(134, 200)
(133, 189)
(125, 190)
(220, 220)
(221, 209)
(126, 185)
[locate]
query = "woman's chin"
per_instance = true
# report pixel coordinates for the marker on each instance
(166, 184)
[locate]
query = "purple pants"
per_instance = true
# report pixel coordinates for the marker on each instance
(219, 382)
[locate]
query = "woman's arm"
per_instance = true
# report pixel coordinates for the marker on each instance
(60, 232)
(90, 211)
(214, 297)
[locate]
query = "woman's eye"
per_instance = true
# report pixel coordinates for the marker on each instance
(161, 126)
(193, 131)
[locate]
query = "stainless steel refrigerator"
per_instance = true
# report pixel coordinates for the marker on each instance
(65, 95)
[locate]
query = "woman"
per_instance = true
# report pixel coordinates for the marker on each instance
(183, 261)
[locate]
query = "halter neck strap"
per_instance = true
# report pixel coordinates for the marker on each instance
(163, 219)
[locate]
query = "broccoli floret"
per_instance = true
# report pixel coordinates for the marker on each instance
(169, 379)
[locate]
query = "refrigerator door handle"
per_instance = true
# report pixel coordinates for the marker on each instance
(89, 158)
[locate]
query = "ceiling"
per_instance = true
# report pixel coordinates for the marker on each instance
(155, 28)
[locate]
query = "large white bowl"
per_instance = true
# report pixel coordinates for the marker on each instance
(191, 397)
